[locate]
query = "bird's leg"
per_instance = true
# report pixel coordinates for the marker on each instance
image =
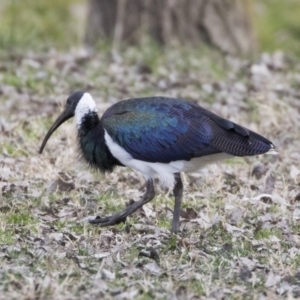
(121, 217)
(178, 191)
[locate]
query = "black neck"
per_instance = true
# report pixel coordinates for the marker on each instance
(88, 122)
(92, 143)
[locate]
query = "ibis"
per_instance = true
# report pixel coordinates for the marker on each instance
(157, 136)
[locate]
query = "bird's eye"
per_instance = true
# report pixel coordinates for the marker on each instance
(68, 101)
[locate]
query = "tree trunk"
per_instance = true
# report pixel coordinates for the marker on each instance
(225, 24)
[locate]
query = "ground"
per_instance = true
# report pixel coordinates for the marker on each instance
(240, 225)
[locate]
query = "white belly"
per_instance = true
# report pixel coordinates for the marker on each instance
(165, 171)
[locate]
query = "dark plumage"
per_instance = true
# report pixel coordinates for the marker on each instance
(156, 135)
(160, 129)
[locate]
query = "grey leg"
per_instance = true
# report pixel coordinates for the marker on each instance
(178, 191)
(121, 217)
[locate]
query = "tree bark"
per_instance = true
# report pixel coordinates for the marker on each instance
(225, 24)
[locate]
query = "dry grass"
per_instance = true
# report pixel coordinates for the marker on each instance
(240, 231)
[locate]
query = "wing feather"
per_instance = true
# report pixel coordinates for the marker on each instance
(166, 129)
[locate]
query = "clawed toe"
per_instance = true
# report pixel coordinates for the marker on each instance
(98, 220)
(108, 221)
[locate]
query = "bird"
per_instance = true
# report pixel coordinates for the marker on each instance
(156, 136)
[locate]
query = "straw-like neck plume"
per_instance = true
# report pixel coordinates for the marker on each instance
(86, 107)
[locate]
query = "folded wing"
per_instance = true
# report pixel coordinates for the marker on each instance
(166, 129)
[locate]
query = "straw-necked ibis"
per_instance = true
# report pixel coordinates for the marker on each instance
(156, 136)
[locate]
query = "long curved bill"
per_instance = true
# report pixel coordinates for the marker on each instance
(64, 116)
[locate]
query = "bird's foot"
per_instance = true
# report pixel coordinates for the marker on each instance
(121, 216)
(109, 221)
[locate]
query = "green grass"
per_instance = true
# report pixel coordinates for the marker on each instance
(6, 237)
(12, 80)
(277, 24)
(45, 24)
(37, 24)
(20, 219)
(17, 222)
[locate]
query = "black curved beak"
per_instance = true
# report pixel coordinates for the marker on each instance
(64, 116)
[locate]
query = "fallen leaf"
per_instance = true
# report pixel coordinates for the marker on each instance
(153, 268)
(189, 214)
(152, 253)
(100, 255)
(106, 274)
(59, 185)
(272, 279)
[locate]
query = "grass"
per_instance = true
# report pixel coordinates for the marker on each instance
(29, 24)
(33, 24)
(278, 26)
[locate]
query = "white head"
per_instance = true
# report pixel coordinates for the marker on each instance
(78, 104)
